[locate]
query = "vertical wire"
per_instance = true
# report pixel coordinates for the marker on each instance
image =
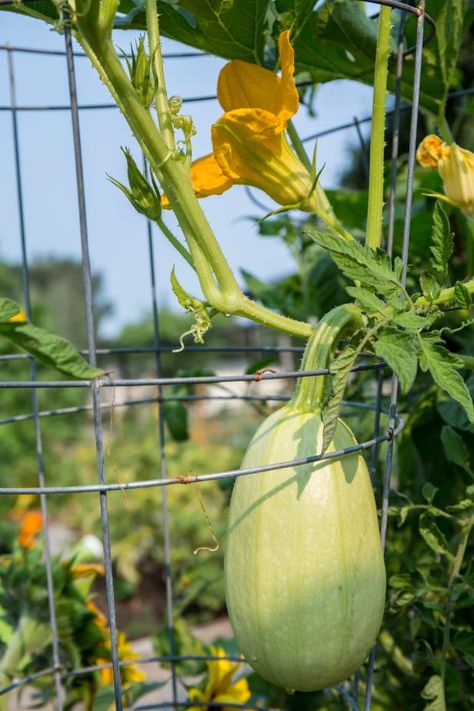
(163, 465)
(395, 136)
(406, 243)
(34, 392)
(91, 344)
(363, 147)
(391, 220)
(365, 163)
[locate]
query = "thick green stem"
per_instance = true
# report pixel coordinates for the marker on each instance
(161, 98)
(377, 141)
(310, 391)
(262, 315)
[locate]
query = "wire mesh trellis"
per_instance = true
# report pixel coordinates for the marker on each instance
(104, 487)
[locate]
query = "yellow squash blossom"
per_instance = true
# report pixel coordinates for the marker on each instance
(249, 142)
(456, 167)
(221, 687)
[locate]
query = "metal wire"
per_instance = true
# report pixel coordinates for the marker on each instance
(395, 423)
(95, 388)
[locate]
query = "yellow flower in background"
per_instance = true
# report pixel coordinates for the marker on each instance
(84, 570)
(20, 316)
(248, 141)
(130, 673)
(30, 526)
(221, 686)
(456, 167)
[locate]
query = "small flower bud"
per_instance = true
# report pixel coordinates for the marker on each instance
(456, 167)
(145, 197)
(175, 103)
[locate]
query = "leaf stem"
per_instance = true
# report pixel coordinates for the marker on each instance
(377, 141)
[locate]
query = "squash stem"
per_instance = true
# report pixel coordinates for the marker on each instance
(310, 391)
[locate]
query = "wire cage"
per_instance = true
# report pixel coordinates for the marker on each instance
(106, 486)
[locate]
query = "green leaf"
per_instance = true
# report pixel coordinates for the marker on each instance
(9, 309)
(453, 414)
(340, 369)
(400, 353)
(443, 367)
(462, 297)
(411, 321)
(455, 448)
(440, 56)
(176, 417)
(432, 534)
(429, 286)
(184, 299)
(49, 349)
(441, 240)
(360, 263)
(228, 29)
(367, 299)
(429, 491)
(398, 267)
(434, 692)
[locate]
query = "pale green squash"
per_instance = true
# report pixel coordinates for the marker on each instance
(304, 571)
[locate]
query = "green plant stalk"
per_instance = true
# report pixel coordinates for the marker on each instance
(310, 392)
(445, 296)
(161, 98)
(325, 213)
(444, 129)
(377, 142)
(176, 182)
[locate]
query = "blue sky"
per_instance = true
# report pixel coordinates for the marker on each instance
(117, 234)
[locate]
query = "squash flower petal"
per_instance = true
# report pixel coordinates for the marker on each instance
(247, 86)
(207, 179)
(455, 166)
(250, 151)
